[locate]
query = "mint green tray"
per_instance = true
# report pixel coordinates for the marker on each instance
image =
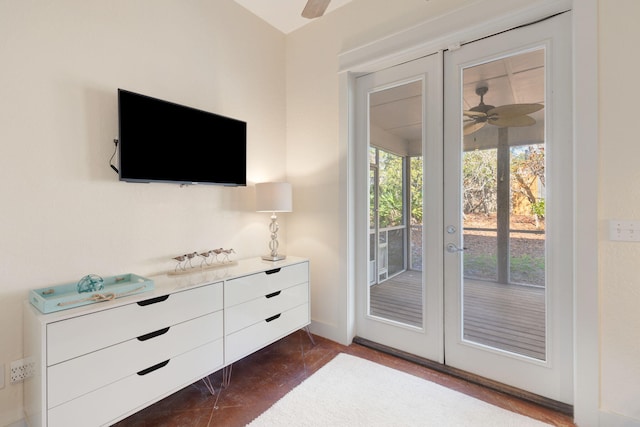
(63, 297)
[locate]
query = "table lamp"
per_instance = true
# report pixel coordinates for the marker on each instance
(273, 197)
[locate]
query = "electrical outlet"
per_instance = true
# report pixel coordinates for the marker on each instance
(21, 369)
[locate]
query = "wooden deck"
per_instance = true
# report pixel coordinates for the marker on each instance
(507, 317)
(399, 298)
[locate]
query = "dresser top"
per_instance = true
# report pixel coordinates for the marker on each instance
(240, 268)
(165, 284)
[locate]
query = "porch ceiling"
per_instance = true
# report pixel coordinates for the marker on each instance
(513, 80)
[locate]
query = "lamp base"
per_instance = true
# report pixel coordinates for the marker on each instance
(274, 258)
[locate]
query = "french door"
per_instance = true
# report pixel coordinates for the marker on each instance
(401, 121)
(465, 181)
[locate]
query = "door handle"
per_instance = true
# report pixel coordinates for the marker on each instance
(452, 248)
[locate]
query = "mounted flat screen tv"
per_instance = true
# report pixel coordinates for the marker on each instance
(160, 141)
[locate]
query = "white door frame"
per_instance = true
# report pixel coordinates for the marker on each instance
(439, 34)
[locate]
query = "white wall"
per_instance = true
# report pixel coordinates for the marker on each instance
(64, 214)
(619, 196)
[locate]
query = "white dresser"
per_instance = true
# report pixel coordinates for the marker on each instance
(100, 363)
(263, 307)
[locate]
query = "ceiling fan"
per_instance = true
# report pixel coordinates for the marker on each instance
(315, 8)
(511, 115)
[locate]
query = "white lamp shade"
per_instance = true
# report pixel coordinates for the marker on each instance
(273, 197)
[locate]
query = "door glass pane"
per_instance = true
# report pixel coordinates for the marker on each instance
(396, 289)
(503, 180)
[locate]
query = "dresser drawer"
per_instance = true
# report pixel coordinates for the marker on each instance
(124, 397)
(260, 284)
(248, 313)
(83, 334)
(75, 377)
(247, 340)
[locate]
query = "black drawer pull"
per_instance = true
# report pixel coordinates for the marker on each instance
(275, 270)
(153, 334)
(272, 318)
(153, 300)
(275, 294)
(153, 368)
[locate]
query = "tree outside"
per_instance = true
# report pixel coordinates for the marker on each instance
(479, 167)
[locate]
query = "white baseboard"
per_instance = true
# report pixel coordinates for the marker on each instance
(610, 419)
(329, 331)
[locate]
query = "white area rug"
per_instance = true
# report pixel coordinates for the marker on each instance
(350, 391)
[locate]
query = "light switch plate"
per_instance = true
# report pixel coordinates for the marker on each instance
(624, 231)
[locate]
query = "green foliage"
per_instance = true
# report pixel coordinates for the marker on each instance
(537, 208)
(479, 172)
(415, 187)
(527, 269)
(528, 173)
(480, 266)
(390, 171)
(523, 269)
(390, 201)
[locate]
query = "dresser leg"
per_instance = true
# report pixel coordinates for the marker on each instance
(308, 331)
(226, 375)
(207, 383)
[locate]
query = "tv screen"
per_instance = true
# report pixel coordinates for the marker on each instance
(160, 141)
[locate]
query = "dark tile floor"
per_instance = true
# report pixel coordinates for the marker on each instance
(262, 378)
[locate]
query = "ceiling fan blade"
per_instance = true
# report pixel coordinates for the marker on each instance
(315, 8)
(513, 110)
(470, 113)
(470, 128)
(517, 121)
